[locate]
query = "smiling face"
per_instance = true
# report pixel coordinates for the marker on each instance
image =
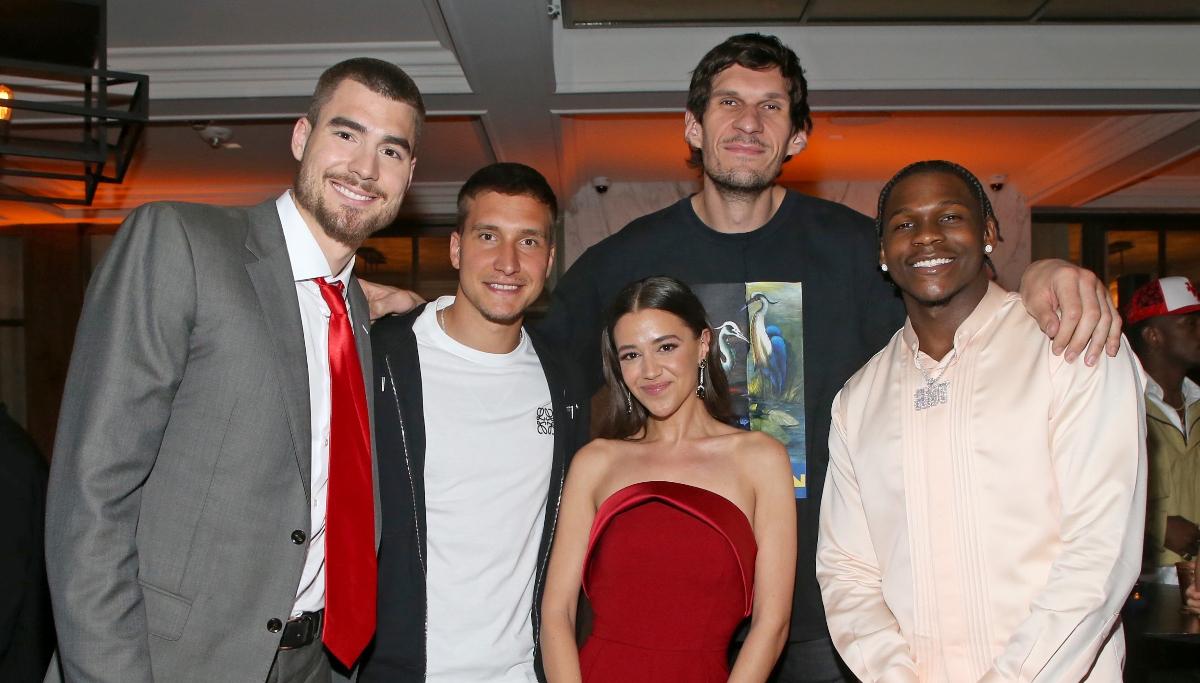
(503, 253)
(356, 162)
(933, 239)
(747, 130)
(659, 356)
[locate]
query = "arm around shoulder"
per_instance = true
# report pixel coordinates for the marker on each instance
(1073, 307)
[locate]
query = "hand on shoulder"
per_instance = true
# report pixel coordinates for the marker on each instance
(1073, 307)
(383, 299)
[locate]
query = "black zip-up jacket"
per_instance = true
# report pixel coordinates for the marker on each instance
(399, 651)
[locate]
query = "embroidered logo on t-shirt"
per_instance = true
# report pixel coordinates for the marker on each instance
(545, 419)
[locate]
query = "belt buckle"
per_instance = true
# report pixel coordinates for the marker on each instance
(300, 631)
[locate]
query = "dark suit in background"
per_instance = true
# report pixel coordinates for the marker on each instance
(26, 630)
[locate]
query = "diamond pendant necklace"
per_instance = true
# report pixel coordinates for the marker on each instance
(936, 390)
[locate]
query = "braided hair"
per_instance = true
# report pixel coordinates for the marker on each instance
(937, 166)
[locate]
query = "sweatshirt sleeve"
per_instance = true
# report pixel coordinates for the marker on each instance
(573, 323)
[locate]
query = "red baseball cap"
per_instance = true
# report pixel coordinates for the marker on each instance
(1164, 296)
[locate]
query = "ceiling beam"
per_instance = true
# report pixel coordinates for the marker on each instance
(505, 51)
(277, 70)
(1116, 153)
(1036, 59)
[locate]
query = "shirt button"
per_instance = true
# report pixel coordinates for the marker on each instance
(298, 537)
(274, 626)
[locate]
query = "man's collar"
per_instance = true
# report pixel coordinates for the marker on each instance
(993, 299)
(307, 259)
(1191, 390)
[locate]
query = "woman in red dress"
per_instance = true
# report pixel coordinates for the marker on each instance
(676, 525)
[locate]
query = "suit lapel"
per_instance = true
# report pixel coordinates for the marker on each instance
(360, 314)
(271, 273)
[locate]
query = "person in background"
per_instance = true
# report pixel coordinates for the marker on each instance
(983, 513)
(1193, 594)
(26, 629)
(1162, 321)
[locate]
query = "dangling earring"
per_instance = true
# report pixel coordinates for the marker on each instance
(700, 390)
(628, 402)
(883, 267)
(987, 248)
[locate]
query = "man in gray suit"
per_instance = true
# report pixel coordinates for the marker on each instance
(209, 513)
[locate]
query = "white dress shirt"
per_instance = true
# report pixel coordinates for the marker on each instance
(1154, 394)
(308, 262)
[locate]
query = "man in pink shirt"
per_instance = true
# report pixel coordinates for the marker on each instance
(982, 514)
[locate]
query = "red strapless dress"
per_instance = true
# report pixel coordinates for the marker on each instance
(670, 574)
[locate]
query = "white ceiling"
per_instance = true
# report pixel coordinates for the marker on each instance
(1077, 116)
(172, 23)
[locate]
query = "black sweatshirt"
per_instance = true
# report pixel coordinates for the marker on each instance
(849, 312)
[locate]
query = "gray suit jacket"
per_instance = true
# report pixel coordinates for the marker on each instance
(182, 460)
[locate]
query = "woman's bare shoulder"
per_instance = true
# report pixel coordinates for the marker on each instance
(760, 455)
(598, 456)
(757, 445)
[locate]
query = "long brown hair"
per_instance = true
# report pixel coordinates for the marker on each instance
(674, 297)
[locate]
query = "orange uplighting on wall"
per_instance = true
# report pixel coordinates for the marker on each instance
(6, 93)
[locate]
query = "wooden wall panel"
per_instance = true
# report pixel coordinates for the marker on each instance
(55, 267)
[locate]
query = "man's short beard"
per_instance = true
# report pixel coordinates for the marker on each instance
(347, 226)
(502, 320)
(739, 185)
(493, 318)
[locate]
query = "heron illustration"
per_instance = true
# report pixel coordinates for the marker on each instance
(726, 330)
(778, 359)
(768, 348)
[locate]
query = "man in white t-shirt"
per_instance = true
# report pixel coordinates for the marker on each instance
(475, 423)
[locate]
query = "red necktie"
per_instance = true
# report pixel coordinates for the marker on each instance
(350, 571)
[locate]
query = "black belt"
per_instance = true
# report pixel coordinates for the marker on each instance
(302, 630)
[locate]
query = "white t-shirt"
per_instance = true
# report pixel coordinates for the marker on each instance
(489, 445)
